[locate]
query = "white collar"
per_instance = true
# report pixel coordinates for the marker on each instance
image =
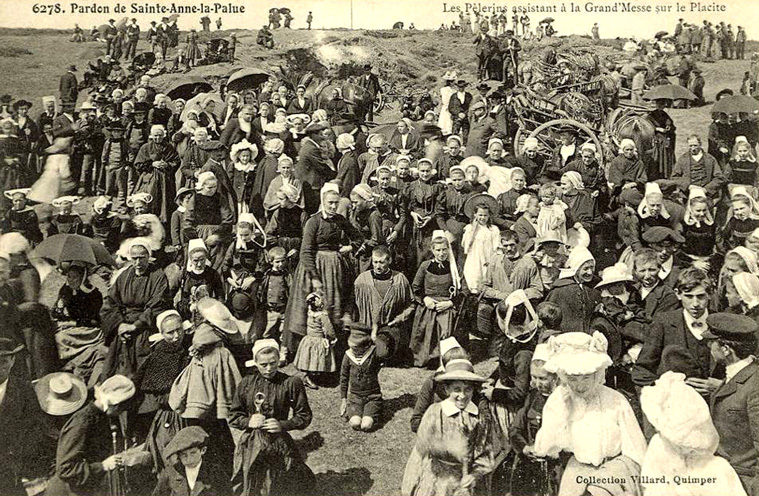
(245, 168)
(697, 158)
(734, 368)
(666, 268)
(450, 409)
(689, 320)
(360, 361)
(192, 475)
(644, 292)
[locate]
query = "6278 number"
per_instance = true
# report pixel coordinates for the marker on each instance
(49, 9)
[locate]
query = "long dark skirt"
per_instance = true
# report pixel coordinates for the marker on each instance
(164, 427)
(337, 288)
(430, 327)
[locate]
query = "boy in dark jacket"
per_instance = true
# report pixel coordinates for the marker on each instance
(115, 160)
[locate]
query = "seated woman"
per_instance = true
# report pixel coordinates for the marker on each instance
(77, 311)
(21, 218)
(210, 217)
(590, 420)
(197, 273)
(742, 167)
(582, 211)
(66, 221)
(285, 228)
(453, 451)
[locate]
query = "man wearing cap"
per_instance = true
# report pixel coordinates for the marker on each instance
(481, 129)
(68, 86)
(734, 405)
(459, 106)
(510, 49)
(312, 168)
(370, 82)
(23, 449)
(740, 43)
(133, 36)
(666, 243)
(110, 33)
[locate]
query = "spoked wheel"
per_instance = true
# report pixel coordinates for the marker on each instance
(379, 103)
(547, 135)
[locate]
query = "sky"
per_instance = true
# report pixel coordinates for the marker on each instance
(425, 14)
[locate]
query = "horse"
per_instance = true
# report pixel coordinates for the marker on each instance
(631, 123)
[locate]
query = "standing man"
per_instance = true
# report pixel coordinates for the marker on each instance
(740, 43)
(459, 105)
(678, 29)
(152, 36)
(205, 21)
(730, 42)
(735, 405)
(525, 19)
(69, 87)
(594, 31)
(370, 82)
(309, 19)
(510, 48)
(132, 36)
(162, 37)
(218, 24)
(110, 34)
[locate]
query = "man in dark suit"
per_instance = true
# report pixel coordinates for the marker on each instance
(682, 330)
(22, 442)
(370, 82)
(69, 87)
(242, 127)
(458, 106)
(313, 168)
(735, 405)
(698, 167)
(110, 34)
(301, 104)
(483, 127)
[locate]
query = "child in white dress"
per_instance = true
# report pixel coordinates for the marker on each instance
(552, 221)
(480, 241)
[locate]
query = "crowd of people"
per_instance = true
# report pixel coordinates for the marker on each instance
(621, 302)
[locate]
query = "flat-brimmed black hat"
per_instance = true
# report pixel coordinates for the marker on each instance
(22, 103)
(461, 82)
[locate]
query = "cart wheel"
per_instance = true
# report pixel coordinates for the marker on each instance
(379, 103)
(548, 137)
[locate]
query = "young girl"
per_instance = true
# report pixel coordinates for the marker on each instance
(105, 225)
(21, 218)
(699, 230)
(178, 239)
(244, 257)
(742, 167)
(552, 221)
(481, 239)
(243, 173)
(316, 350)
(66, 221)
(743, 219)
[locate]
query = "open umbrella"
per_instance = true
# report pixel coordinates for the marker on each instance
(660, 34)
(188, 87)
(173, 17)
(547, 19)
(669, 92)
(195, 102)
(736, 104)
(62, 248)
(246, 79)
(284, 10)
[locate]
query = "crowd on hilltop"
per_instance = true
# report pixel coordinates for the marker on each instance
(248, 231)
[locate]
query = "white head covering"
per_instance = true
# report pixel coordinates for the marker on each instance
(141, 197)
(523, 202)
(627, 142)
(542, 352)
(679, 414)
(157, 127)
(242, 145)
(744, 192)
(195, 245)
(100, 204)
(739, 140)
(748, 256)
(165, 315)
(364, 191)
(345, 141)
(451, 259)
(578, 353)
(58, 202)
(159, 97)
(259, 346)
(203, 177)
(114, 390)
(696, 192)
(643, 209)
(274, 145)
(574, 178)
(577, 256)
(447, 345)
(12, 243)
(747, 286)
(530, 144)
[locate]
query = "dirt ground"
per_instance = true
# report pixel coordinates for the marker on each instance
(346, 463)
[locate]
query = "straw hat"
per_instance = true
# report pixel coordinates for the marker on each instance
(304, 117)
(60, 393)
(470, 206)
(216, 314)
(618, 272)
(578, 353)
(115, 390)
(142, 197)
(459, 370)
